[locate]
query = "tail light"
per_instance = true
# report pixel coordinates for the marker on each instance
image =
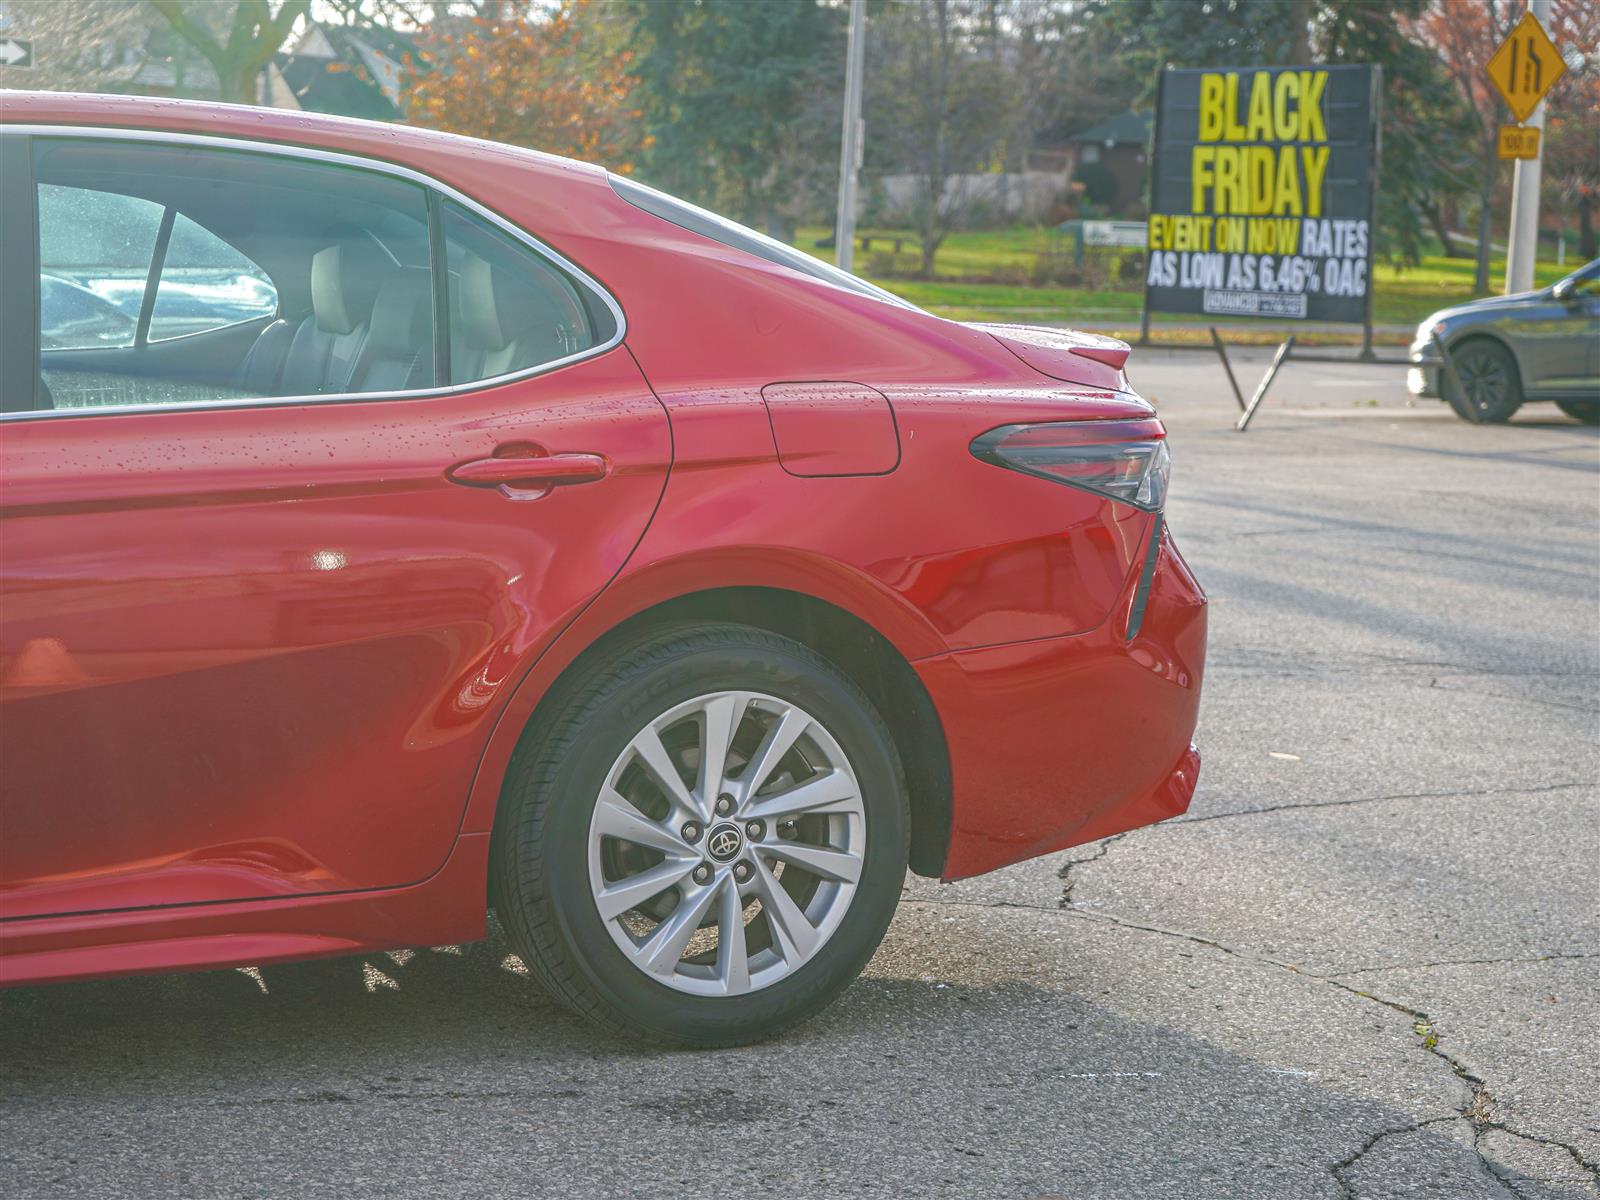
(1124, 460)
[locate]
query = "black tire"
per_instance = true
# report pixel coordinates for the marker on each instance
(540, 884)
(1489, 374)
(1587, 411)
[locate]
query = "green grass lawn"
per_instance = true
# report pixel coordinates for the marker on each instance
(1403, 295)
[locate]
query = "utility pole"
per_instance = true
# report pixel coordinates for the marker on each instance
(844, 229)
(1523, 246)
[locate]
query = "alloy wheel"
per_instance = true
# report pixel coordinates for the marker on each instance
(726, 843)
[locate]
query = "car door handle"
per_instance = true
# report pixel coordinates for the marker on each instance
(540, 472)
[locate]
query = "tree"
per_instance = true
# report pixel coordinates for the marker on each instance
(941, 108)
(1061, 82)
(1464, 36)
(238, 45)
(552, 81)
(742, 102)
(382, 13)
(1572, 151)
(1424, 123)
(1148, 35)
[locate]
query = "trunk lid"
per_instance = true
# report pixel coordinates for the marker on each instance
(1086, 359)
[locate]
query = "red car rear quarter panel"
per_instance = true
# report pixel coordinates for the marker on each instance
(1056, 725)
(1062, 728)
(1064, 740)
(981, 554)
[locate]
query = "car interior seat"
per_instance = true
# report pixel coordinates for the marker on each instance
(509, 320)
(399, 350)
(321, 353)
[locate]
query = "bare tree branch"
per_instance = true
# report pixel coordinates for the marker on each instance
(195, 34)
(254, 36)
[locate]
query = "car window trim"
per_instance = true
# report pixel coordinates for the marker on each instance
(439, 278)
(23, 134)
(19, 281)
(263, 319)
(152, 279)
(158, 269)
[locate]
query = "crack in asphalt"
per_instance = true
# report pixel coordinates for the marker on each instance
(931, 901)
(1069, 881)
(1276, 808)
(1554, 956)
(1065, 873)
(1588, 709)
(1476, 1111)
(1341, 1168)
(1269, 657)
(1480, 1103)
(1590, 1168)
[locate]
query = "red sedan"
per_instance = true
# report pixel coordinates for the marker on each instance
(397, 526)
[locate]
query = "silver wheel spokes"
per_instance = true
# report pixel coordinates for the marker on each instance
(726, 844)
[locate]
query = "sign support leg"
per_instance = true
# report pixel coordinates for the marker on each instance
(1266, 382)
(1375, 107)
(1222, 353)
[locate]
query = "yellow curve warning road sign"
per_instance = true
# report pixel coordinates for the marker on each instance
(1525, 67)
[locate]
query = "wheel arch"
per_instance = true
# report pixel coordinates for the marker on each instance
(856, 646)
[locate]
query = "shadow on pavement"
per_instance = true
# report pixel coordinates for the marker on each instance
(444, 1072)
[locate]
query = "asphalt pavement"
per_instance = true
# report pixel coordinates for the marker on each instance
(1365, 964)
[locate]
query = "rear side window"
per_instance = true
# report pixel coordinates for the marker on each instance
(510, 309)
(180, 274)
(206, 284)
(95, 250)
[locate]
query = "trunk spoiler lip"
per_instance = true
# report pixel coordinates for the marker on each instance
(1066, 354)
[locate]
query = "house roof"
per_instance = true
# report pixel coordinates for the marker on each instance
(351, 72)
(1125, 127)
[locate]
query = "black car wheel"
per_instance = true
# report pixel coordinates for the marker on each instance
(703, 837)
(1587, 411)
(1490, 380)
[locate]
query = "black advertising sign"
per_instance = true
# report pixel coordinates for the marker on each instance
(1262, 192)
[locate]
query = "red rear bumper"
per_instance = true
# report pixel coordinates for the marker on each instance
(1061, 741)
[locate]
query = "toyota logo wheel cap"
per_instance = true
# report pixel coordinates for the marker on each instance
(724, 843)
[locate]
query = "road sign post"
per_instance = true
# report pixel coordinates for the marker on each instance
(1523, 69)
(844, 229)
